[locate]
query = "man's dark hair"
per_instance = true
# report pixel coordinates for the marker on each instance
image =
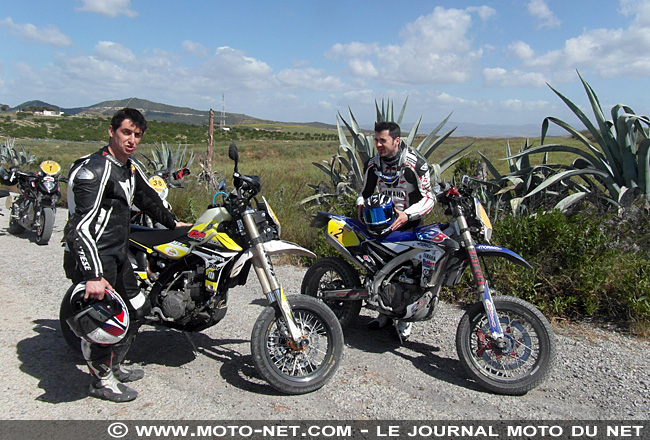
(392, 127)
(129, 113)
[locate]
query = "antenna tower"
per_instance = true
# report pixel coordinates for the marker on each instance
(222, 122)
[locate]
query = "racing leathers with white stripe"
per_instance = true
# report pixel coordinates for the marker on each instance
(101, 191)
(405, 179)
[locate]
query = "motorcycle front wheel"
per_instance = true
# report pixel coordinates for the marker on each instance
(297, 368)
(525, 361)
(45, 226)
(332, 273)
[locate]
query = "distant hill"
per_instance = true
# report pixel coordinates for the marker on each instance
(168, 113)
(155, 111)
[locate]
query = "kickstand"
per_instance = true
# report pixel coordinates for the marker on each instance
(195, 350)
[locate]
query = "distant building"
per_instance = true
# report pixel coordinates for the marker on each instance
(48, 113)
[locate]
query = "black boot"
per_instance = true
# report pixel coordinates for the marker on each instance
(125, 375)
(104, 384)
(118, 354)
(109, 388)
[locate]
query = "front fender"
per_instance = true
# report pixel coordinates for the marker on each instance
(272, 247)
(489, 250)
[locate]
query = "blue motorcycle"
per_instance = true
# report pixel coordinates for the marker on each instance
(504, 343)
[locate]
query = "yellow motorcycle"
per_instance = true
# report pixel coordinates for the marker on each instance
(296, 342)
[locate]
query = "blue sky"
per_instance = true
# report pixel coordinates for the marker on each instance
(488, 62)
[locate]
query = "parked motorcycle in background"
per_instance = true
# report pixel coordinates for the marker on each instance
(161, 181)
(35, 207)
(187, 274)
(504, 343)
(4, 193)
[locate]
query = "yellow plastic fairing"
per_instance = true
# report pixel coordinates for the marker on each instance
(339, 231)
(200, 231)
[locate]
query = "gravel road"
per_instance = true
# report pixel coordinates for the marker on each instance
(599, 375)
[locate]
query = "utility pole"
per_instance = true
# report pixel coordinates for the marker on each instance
(210, 139)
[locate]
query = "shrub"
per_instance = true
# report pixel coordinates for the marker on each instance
(585, 266)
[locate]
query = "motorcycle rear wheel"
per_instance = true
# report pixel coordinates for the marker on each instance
(290, 369)
(45, 227)
(333, 273)
(528, 357)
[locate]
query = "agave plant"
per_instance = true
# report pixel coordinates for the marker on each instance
(10, 155)
(517, 192)
(345, 169)
(619, 160)
(164, 159)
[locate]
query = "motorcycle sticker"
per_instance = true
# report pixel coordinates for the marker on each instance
(173, 250)
(50, 167)
(158, 183)
(342, 234)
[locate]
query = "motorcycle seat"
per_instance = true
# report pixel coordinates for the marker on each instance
(153, 236)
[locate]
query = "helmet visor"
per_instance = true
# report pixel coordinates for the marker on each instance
(378, 216)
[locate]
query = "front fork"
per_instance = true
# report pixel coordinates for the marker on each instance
(269, 282)
(496, 332)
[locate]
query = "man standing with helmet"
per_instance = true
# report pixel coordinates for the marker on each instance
(102, 187)
(397, 173)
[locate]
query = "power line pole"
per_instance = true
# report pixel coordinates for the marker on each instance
(210, 139)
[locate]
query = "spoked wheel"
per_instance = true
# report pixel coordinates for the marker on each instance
(303, 366)
(45, 226)
(524, 362)
(332, 273)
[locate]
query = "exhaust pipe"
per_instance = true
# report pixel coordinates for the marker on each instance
(354, 294)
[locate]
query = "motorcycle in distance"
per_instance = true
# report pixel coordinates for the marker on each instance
(35, 208)
(187, 273)
(504, 343)
(4, 193)
(161, 181)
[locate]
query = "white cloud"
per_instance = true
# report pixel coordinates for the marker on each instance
(195, 48)
(540, 10)
(517, 105)
(48, 35)
(309, 79)
(363, 68)
(484, 12)
(501, 77)
(605, 52)
(609, 52)
(109, 8)
(640, 9)
(109, 51)
(521, 50)
(435, 49)
(233, 66)
(446, 98)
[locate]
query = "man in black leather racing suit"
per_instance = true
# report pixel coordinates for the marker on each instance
(102, 187)
(400, 173)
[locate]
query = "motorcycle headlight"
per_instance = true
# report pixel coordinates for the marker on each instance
(49, 183)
